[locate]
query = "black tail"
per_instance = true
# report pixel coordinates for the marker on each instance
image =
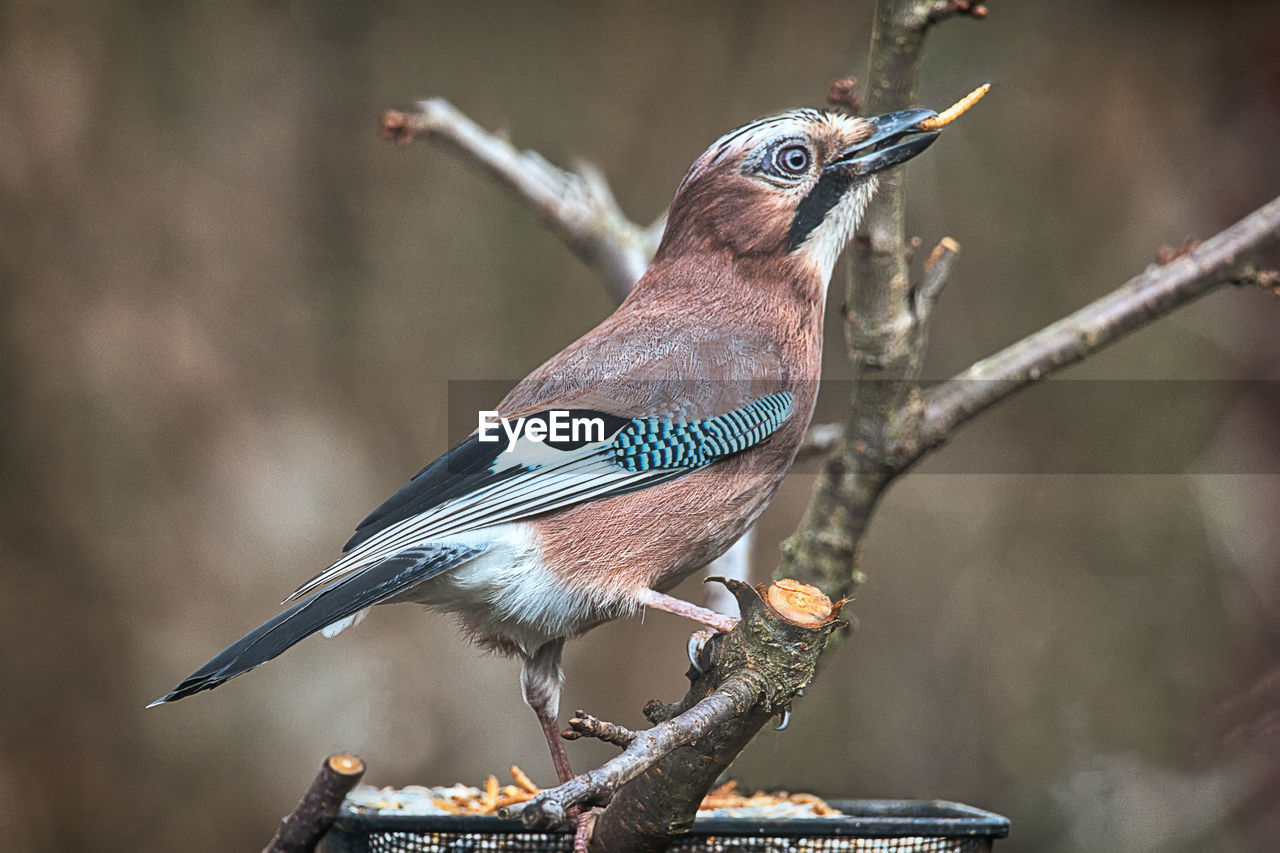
(375, 584)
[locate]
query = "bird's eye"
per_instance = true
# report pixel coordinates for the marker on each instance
(792, 160)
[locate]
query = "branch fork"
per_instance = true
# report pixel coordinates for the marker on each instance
(740, 680)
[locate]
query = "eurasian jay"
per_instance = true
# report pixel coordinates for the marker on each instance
(697, 392)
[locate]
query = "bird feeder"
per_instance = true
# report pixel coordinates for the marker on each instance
(882, 826)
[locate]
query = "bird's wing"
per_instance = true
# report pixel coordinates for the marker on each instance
(482, 483)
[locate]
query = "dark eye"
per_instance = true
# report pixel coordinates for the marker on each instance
(793, 159)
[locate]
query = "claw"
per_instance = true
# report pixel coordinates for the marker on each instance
(786, 719)
(697, 640)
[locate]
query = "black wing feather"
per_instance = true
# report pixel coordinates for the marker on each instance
(375, 584)
(463, 470)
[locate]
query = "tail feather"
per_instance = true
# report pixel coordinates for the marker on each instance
(375, 584)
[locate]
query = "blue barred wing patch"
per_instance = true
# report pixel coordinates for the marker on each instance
(648, 443)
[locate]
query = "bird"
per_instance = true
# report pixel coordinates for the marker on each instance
(692, 398)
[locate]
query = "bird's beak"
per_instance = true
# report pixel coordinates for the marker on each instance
(895, 138)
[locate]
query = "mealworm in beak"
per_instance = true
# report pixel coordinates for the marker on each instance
(955, 111)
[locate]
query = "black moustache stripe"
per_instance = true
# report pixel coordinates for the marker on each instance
(815, 206)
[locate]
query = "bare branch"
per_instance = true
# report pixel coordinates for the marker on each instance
(891, 421)
(582, 724)
(576, 205)
(1149, 296)
(1179, 276)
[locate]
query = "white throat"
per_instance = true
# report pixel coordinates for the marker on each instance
(825, 243)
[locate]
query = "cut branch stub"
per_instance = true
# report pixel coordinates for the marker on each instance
(783, 630)
(799, 603)
(302, 830)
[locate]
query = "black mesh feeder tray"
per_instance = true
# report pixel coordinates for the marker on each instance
(882, 826)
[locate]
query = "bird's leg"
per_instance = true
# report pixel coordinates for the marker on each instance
(540, 681)
(659, 601)
(551, 730)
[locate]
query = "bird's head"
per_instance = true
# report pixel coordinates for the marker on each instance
(791, 187)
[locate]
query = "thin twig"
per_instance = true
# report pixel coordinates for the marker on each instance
(582, 724)
(577, 205)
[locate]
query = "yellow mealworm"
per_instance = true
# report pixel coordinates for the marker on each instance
(958, 109)
(523, 780)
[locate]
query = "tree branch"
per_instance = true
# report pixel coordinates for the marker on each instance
(576, 205)
(582, 724)
(891, 422)
(937, 269)
(1222, 260)
(884, 332)
(739, 681)
(1154, 293)
(549, 808)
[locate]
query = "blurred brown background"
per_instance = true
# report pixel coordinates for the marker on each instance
(229, 313)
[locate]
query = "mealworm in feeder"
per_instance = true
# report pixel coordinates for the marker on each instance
(958, 109)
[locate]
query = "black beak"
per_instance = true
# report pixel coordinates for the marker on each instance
(895, 138)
